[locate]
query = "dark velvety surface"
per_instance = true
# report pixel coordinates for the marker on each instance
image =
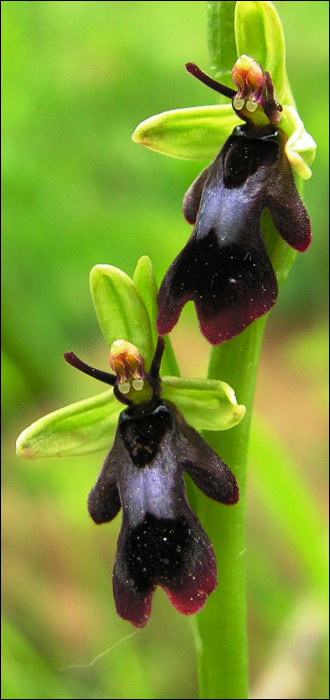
(225, 268)
(161, 541)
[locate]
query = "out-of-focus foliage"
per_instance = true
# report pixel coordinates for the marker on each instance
(77, 79)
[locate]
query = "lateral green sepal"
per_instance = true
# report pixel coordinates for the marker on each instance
(206, 404)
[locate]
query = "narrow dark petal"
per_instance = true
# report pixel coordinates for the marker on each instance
(74, 361)
(153, 374)
(193, 196)
(212, 476)
(269, 103)
(213, 84)
(103, 500)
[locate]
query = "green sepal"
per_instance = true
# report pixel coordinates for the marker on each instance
(89, 426)
(196, 133)
(145, 281)
(120, 309)
(221, 41)
(206, 404)
(259, 34)
(300, 147)
(81, 428)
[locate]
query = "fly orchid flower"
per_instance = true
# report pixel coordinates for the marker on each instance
(161, 541)
(225, 268)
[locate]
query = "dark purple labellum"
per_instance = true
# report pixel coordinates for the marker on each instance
(161, 541)
(225, 268)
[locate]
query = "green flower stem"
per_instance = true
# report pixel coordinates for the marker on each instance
(222, 624)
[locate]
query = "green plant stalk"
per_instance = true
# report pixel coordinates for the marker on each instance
(222, 648)
(221, 630)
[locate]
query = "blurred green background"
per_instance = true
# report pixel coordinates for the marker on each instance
(77, 79)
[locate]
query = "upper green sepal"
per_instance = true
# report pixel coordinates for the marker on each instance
(121, 310)
(259, 34)
(221, 40)
(145, 282)
(127, 309)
